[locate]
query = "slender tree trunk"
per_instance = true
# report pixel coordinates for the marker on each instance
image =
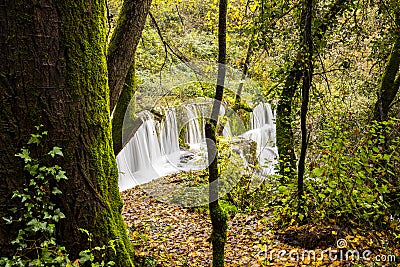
(307, 47)
(123, 105)
(246, 63)
(284, 130)
(218, 216)
(53, 72)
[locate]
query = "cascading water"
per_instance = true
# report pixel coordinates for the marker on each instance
(169, 137)
(148, 154)
(154, 150)
(227, 132)
(146, 144)
(194, 133)
(262, 115)
(262, 130)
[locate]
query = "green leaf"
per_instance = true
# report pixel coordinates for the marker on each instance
(24, 155)
(56, 191)
(32, 169)
(282, 188)
(35, 139)
(332, 184)
(317, 172)
(61, 176)
(56, 151)
(85, 255)
(8, 220)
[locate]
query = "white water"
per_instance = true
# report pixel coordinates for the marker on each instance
(169, 136)
(154, 149)
(142, 155)
(194, 133)
(263, 132)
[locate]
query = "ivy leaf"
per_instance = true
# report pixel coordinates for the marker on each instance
(61, 176)
(56, 151)
(56, 191)
(8, 220)
(85, 256)
(24, 155)
(35, 139)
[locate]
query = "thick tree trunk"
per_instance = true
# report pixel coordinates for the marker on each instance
(123, 44)
(218, 216)
(284, 120)
(53, 72)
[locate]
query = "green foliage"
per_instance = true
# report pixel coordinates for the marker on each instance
(351, 183)
(36, 243)
(352, 179)
(90, 255)
(243, 189)
(228, 207)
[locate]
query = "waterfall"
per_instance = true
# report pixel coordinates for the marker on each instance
(261, 115)
(262, 130)
(154, 150)
(169, 136)
(227, 132)
(145, 145)
(194, 133)
(149, 153)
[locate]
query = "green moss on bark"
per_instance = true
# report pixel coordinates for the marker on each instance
(84, 35)
(124, 100)
(388, 87)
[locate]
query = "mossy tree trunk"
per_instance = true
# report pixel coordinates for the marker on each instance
(217, 214)
(307, 51)
(390, 81)
(122, 106)
(285, 118)
(53, 72)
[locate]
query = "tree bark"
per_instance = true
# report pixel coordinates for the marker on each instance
(284, 120)
(123, 104)
(389, 86)
(307, 49)
(123, 44)
(53, 72)
(284, 130)
(218, 216)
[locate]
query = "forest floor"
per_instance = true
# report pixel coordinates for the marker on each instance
(165, 234)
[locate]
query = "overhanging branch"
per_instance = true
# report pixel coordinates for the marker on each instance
(123, 44)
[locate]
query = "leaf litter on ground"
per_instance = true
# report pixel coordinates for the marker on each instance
(172, 235)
